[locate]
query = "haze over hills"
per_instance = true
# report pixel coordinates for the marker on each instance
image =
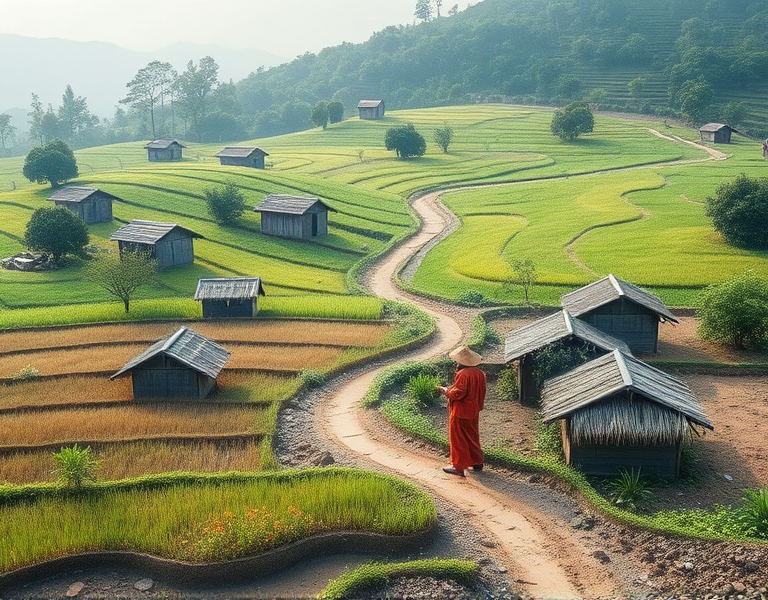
(99, 71)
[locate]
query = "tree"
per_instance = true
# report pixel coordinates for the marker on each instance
(739, 211)
(57, 231)
(335, 111)
(453, 10)
(76, 466)
(733, 113)
(36, 119)
(735, 312)
(694, 98)
(319, 115)
(636, 87)
(225, 204)
(193, 87)
(73, 115)
(405, 141)
(53, 162)
(444, 136)
(524, 275)
(148, 87)
(572, 121)
(122, 274)
(7, 131)
(423, 10)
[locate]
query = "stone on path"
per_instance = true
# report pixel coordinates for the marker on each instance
(74, 589)
(144, 585)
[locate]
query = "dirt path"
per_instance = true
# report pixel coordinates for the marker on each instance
(544, 558)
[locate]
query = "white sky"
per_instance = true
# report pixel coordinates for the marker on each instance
(283, 27)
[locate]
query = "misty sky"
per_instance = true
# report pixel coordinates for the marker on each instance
(283, 27)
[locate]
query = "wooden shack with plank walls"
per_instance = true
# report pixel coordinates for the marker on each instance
(619, 413)
(242, 156)
(182, 365)
(717, 133)
(164, 150)
(371, 109)
(91, 204)
(522, 346)
(229, 297)
(621, 310)
(296, 217)
(168, 243)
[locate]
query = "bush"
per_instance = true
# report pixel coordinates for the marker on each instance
(311, 378)
(405, 141)
(629, 490)
(25, 374)
(739, 211)
(572, 121)
(735, 312)
(423, 388)
(225, 204)
(57, 231)
(755, 516)
(470, 298)
(53, 162)
(556, 359)
(76, 466)
(506, 385)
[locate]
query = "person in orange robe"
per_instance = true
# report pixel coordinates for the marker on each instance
(466, 397)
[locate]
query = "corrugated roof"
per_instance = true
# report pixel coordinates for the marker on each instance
(147, 232)
(369, 103)
(607, 290)
(712, 127)
(188, 347)
(292, 205)
(162, 144)
(239, 151)
(232, 288)
(553, 328)
(611, 374)
(78, 193)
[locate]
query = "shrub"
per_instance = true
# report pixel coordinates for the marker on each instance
(53, 162)
(76, 466)
(225, 204)
(556, 359)
(405, 141)
(549, 442)
(628, 490)
(25, 374)
(470, 298)
(311, 378)
(739, 211)
(423, 388)
(755, 516)
(57, 231)
(507, 386)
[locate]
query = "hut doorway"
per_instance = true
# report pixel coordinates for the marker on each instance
(314, 225)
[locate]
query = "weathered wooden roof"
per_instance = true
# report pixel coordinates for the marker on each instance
(613, 373)
(292, 205)
(553, 328)
(162, 144)
(369, 103)
(713, 127)
(188, 347)
(239, 152)
(607, 290)
(78, 193)
(147, 232)
(230, 288)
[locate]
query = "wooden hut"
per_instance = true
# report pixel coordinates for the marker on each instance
(168, 243)
(229, 297)
(622, 310)
(617, 412)
(183, 365)
(293, 216)
(242, 156)
(717, 133)
(164, 150)
(522, 345)
(91, 204)
(371, 109)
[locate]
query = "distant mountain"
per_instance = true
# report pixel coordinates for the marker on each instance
(99, 71)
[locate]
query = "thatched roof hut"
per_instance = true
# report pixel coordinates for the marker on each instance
(618, 412)
(229, 296)
(183, 365)
(522, 344)
(622, 310)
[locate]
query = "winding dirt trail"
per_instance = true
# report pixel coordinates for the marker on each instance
(546, 559)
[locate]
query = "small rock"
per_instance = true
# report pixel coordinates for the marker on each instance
(688, 566)
(601, 556)
(727, 477)
(751, 567)
(74, 589)
(488, 543)
(323, 459)
(144, 585)
(739, 587)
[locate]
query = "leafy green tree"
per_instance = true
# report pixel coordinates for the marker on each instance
(636, 87)
(423, 10)
(572, 121)
(53, 162)
(122, 274)
(444, 136)
(735, 312)
(74, 116)
(36, 119)
(7, 131)
(335, 111)
(194, 86)
(739, 211)
(225, 204)
(57, 231)
(319, 115)
(76, 466)
(733, 113)
(524, 275)
(695, 98)
(405, 141)
(148, 87)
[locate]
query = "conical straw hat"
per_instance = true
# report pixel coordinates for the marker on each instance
(465, 356)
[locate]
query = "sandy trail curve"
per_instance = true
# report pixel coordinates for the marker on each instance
(546, 559)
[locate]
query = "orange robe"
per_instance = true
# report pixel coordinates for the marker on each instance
(466, 397)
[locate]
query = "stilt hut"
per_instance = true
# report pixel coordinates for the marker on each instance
(622, 310)
(168, 243)
(229, 297)
(91, 204)
(371, 109)
(242, 156)
(183, 365)
(164, 150)
(717, 133)
(293, 216)
(619, 413)
(522, 346)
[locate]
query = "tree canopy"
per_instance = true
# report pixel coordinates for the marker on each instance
(739, 211)
(121, 275)
(225, 204)
(405, 141)
(57, 231)
(572, 121)
(444, 137)
(319, 114)
(53, 162)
